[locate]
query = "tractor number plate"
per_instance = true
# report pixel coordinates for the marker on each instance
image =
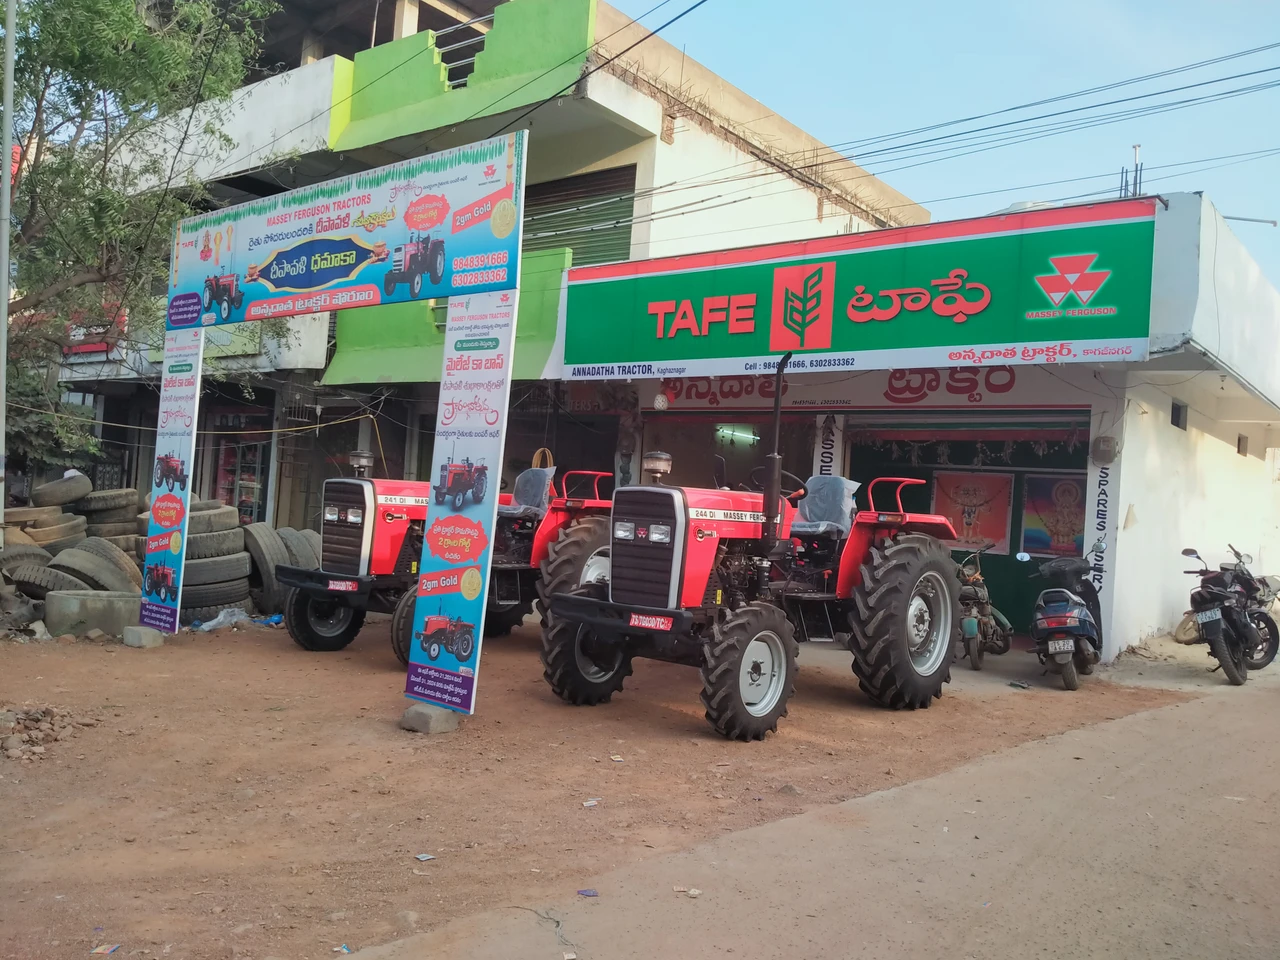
(1204, 616)
(648, 622)
(344, 586)
(1062, 646)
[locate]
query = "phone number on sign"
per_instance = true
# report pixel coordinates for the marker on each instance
(479, 278)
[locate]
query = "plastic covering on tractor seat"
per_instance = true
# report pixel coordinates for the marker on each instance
(531, 495)
(827, 508)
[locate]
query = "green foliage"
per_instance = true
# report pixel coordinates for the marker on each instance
(41, 431)
(101, 90)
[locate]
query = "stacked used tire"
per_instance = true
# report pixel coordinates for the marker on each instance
(110, 514)
(93, 564)
(216, 567)
(50, 522)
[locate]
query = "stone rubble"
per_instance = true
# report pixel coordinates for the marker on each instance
(27, 731)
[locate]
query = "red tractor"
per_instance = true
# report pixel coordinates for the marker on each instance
(450, 634)
(411, 261)
(161, 581)
(372, 533)
(170, 470)
(225, 292)
(457, 479)
(724, 580)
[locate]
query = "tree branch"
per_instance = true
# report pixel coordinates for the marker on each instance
(83, 277)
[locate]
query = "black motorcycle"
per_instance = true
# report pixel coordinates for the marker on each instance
(1222, 607)
(984, 628)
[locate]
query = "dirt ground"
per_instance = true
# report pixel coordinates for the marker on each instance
(243, 798)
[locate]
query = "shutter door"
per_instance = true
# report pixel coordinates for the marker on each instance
(590, 214)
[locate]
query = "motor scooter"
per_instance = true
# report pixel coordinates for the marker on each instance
(1067, 627)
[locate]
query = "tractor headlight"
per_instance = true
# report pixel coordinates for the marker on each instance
(355, 515)
(624, 531)
(331, 514)
(659, 533)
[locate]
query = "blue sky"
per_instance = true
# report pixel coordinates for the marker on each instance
(844, 71)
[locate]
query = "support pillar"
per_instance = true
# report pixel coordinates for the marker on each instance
(312, 47)
(406, 19)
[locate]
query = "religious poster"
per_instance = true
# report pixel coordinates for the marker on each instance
(979, 506)
(1053, 516)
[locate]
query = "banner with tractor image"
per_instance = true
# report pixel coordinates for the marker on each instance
(171, 479)
(439, 225)
(466, 468)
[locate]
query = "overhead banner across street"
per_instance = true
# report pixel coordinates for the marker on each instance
(434, 226)
(1071, 284)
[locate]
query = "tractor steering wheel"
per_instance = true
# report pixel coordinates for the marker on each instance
(800, 491)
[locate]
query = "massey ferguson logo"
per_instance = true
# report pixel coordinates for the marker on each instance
(803, 298)
(1073, 276)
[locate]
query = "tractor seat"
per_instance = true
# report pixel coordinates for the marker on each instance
(531, 495)
(827, 508)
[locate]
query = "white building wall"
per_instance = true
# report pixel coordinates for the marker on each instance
(1182, 488)
(285, 115)
(710, 195)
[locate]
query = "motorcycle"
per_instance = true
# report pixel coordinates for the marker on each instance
(1067, 628)
(1228, 611)
(984, 628)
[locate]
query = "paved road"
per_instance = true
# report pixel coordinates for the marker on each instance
(1154, 836)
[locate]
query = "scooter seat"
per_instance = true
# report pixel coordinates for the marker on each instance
(1052, 597)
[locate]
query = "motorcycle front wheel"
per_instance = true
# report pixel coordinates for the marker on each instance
(1231, 656)
(1262, 655)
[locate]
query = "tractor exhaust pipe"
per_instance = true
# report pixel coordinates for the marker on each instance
(773, 476)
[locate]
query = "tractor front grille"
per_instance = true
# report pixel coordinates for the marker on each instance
(642, 573)
(345, 545)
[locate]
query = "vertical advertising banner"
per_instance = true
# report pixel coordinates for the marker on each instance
(471, 426)
(171, 478)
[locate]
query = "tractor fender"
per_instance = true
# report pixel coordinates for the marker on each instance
(557, 518)
(852, 557)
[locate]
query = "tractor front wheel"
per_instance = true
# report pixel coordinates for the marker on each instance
(579, 556)
(749, 672)
(159, 473)
(415, 285)
(224, 307)
(457, 500)
(580, 668)
(389, 284)
(320, 625)
(439, 498)
(905, 621)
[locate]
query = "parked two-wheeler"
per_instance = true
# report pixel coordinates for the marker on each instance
(984, 628)
(1067, 628)
(1228, 608)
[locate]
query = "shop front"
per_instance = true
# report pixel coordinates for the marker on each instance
(1104, 372)
(1004, 451)
(966, 355)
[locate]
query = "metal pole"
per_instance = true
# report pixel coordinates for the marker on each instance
(6, 203)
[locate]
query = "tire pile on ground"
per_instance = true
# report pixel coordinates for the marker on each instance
(229, 566)
(59, 543)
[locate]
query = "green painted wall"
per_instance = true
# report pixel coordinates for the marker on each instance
(399, 343)
(535, 50)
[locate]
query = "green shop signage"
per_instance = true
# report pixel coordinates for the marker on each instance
(1046, 286)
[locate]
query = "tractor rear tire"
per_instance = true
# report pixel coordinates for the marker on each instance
(402, 627)
(908, 581)
(313, 630)
(499, 623)
(574, 676)
(751, 653)
(580, 552)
